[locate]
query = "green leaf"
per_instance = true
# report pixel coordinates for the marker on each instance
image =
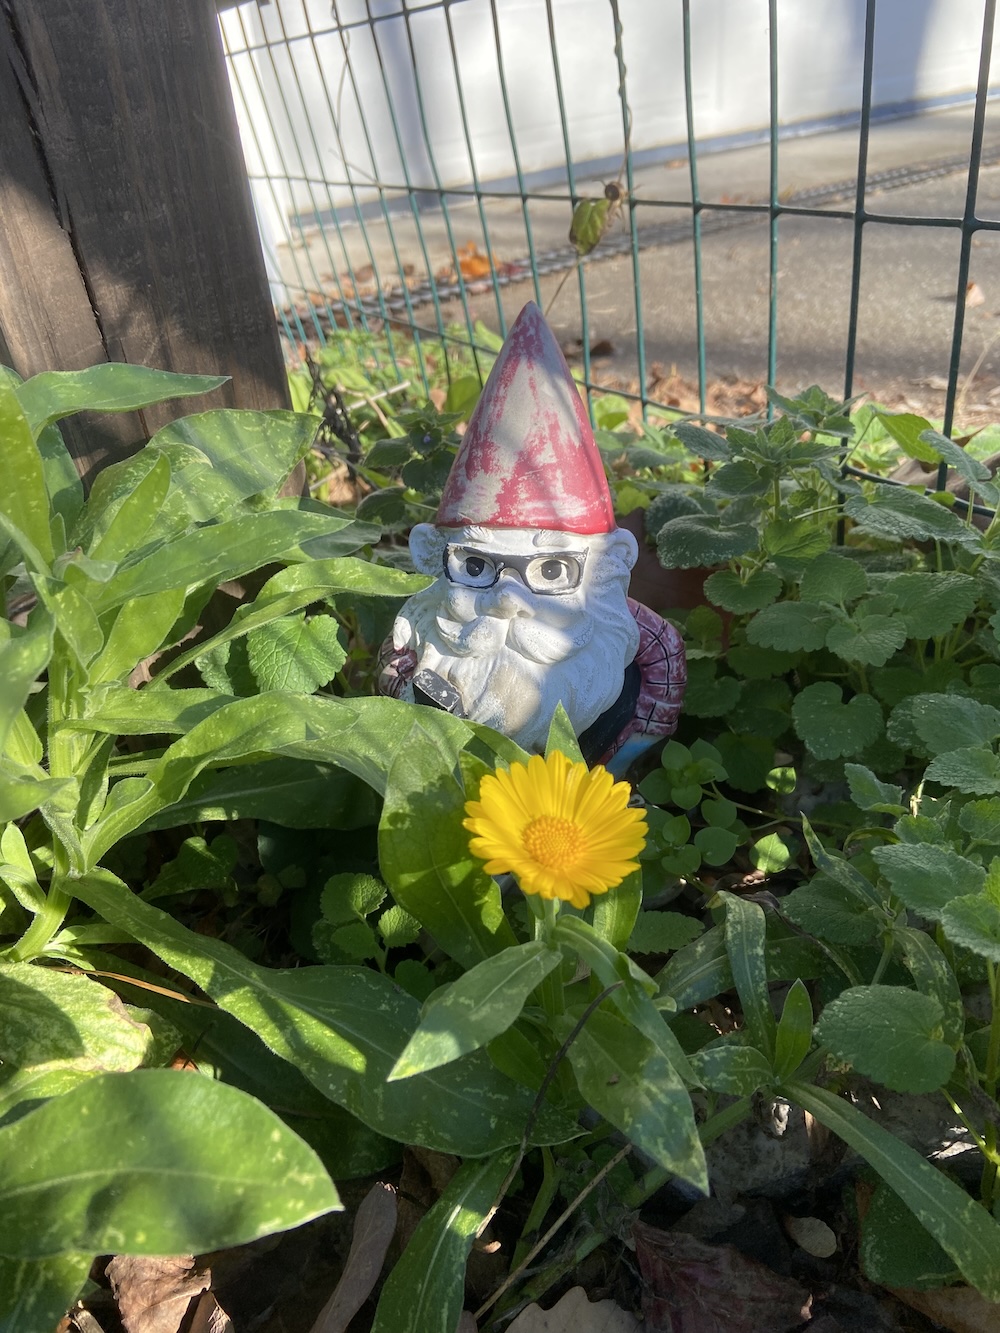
(716, 845)
(349, 897)
(628, 1080)
(926, 878)
(831, 728)
(476, 1008)
(973, 471)
(216, 553)
(748, 759)
(906, 429)
(933, 975)
(869, 793)
(128, 524)
(896, 1251)
(871, 639)
(974, 770)
(62, 481)
(831, 912)
(562, 737)
(703, 443)
(342, 1027)
(108, 387)
(973, 922)
(424, 1293)
(932, 604)
(794, 541)
(699, 539)
(960, 1225)
(728, 590)
(24, 655)
(948, 722)
(793, 1038)
(296, 654)
(36, 1293)
(398, 928)
(981, 820)
(425, 857)
(141, 626)
(706, 694)
(156, 1182)
(24, 499)
(891, 1034)
(834, 579)
(900, 514)
(734, 1070)
(615, 913)
(663, 932)
(587, 227)
(745, 935)
(790, 627)
(741, 479)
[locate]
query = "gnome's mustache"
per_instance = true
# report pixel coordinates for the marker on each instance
(529, 638)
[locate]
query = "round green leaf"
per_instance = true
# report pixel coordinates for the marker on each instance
(973, 922)
(831, 728)
(716, 845)
(926, 877)
(732, 593)
(890, 1034)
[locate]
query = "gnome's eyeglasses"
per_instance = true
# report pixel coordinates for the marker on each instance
(551, 572)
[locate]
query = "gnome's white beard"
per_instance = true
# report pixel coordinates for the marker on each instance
(512, 673)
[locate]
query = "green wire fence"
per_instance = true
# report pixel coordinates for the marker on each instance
(364, 215)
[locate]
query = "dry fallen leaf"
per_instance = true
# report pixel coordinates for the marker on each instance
(154, 1294)
(974, 294)
(575, 1314)
(958, 1309)
(374, 1227)
(209, 1317)
(691, 1287)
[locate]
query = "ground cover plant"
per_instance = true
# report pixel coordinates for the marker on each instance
(217, 842)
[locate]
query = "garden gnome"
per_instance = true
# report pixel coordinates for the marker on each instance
(529, 605)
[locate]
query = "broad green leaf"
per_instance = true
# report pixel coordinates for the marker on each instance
(831, 912)
(425, 1291)
(343, 1028)
(900, 514)
(708, 695)
(701, 969)
(129, 523)
(24, 499)
(36, 1293)
(906, 428)
(960, 1225)
(62, 481)
(139, 629)
(174, 1164)
(700, 539)
(741, 479)
(398, 928)
(793, 1038)
(975, 770)
(790, 627)
(295, 793)
(772, 853)
(108, 387)
(20, 792)
(425, 857)
(216, 553)
(794, 541)
(981, 820)
(24, 655)
(296, 654)
(733, 593)
(896, 1251)
(946, 722)
(588, 224)
(476, 1008)
(349, 896)
(662, 932)
(628, 1080)
(890, 1034)
(973, 922)
(75, 618)
(833, 578)
(745, 938)
(869, 793)
(932, 604)
(974, 471)
(562, 737)
(615, 913)
(926, 878)
(867, 638)
(703, 443)
(736, 1071)
(831, 728)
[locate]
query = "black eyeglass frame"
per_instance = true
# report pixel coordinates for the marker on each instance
(520, 563)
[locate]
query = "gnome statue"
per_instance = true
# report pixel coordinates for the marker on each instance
(529, 605)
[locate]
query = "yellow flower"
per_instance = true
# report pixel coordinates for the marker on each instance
(566, 831)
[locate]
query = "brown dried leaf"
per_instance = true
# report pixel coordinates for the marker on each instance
(958, 1309)
(575, 1314)
(154, 1294)
(691, 1287)
(974, 295)
(374, 1227)
(209, 1317)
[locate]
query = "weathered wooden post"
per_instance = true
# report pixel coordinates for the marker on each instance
(126, 225)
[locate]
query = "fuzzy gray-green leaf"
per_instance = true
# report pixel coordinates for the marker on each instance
(891, 1034)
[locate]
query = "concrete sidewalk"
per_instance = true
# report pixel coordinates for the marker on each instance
(909, 273)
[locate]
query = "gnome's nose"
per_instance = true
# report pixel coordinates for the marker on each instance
(507, 598)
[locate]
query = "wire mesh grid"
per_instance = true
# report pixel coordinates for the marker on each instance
(381, 135)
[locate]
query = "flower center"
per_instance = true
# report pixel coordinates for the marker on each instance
(553, 842)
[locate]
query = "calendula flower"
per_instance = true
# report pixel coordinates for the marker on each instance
(565, 830)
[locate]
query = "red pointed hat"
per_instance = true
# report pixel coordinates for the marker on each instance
(528, 458)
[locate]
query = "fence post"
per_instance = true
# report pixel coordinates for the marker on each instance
(126, 224)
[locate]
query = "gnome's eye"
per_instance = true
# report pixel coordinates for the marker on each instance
(553, 573)
(469, 568)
